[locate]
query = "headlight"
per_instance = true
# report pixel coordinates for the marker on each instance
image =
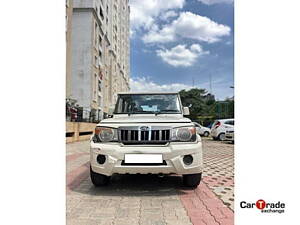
(185, 134)
(105, 134)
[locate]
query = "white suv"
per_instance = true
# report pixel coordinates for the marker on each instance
(147, 134)
(219, 127)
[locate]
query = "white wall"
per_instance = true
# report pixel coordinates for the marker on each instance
(82, 60)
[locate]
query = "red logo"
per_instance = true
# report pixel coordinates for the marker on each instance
(260, 204)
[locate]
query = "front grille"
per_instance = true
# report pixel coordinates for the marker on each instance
(144, 135)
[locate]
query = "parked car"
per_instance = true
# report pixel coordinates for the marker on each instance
(229, 135)
(219, 128)
(201, 130)
(146, 134)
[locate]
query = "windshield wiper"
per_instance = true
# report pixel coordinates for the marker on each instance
(153, 112)
(166, 110)
(142, 112)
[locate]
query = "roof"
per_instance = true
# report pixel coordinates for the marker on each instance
(141, 93)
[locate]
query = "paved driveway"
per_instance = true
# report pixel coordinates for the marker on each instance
(149, 199)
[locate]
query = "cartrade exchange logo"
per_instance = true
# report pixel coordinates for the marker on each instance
(264, 207)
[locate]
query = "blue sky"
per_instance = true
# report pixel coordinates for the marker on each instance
(174, 42)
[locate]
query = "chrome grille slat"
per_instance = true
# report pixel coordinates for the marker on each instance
(152, 135)
(129, 135)
(149, 139)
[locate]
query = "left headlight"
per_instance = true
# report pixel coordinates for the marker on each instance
(105, 134)
(184, 134)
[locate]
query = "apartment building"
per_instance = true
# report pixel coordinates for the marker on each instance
(99, 54)
(69, 12)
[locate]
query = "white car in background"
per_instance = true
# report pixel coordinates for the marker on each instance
(229, 135)
(219, 128)
(201, 130)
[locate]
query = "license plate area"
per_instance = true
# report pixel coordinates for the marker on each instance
(143, 159)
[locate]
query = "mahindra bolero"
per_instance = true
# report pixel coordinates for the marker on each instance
(146, 134)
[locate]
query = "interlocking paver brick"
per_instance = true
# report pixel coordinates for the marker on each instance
(219, 169)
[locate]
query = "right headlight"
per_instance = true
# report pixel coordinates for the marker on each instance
(184, 134)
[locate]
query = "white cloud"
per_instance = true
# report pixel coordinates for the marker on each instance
(180, 55)
(188, 25)
(143, 13)
(169, 14)
(211, 2)
(144, 84)
(160, 36)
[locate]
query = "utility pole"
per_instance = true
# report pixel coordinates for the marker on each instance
(193, 82)
(210, 83)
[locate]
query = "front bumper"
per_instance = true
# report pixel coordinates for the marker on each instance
(229, 136)
(172, 154)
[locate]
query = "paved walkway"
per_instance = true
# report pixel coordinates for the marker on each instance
(148, 199)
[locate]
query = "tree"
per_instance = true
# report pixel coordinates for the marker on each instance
(225, 109)
(199, 102)
(204, 108)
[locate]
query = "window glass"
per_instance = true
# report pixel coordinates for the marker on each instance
(148, 103)
(230, 122)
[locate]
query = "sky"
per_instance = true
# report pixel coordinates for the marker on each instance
(181, 44)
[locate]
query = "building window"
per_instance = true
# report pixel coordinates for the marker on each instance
(99, 85)
(96, 61)
(101, 13)
(100, 40)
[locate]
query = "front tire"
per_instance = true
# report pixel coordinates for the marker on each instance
(98, 179)
(192, 180)
(206, 133)
(221, 137)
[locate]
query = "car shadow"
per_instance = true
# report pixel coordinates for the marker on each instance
(135, 185)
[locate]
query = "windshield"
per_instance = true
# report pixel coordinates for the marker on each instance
(148, 103)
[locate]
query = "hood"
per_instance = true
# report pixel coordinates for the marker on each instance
(206, 128)
(163, 118)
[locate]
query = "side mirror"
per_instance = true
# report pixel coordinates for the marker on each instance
(111, 111)
(186, 111)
